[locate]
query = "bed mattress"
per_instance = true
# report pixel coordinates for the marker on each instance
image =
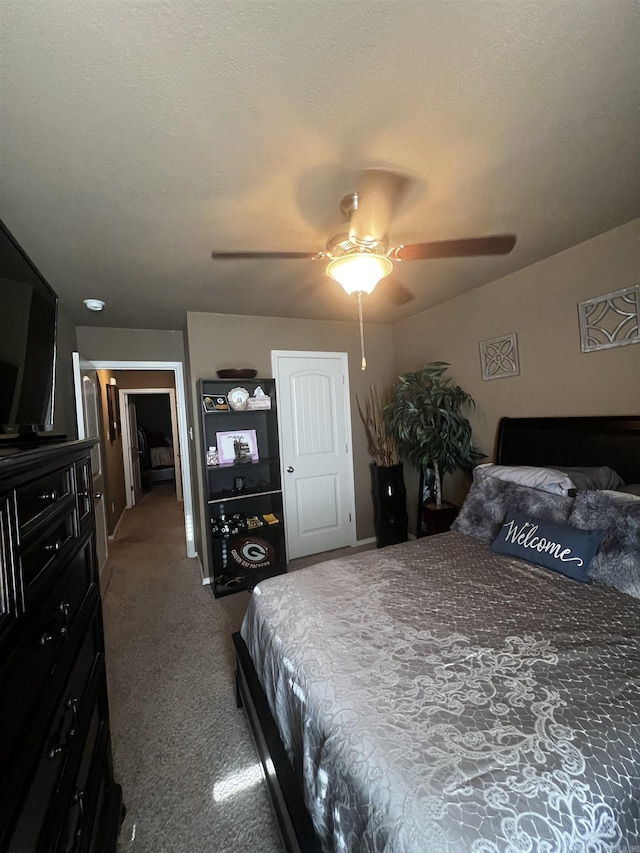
(435, 696)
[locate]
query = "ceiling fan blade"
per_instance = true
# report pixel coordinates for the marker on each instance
(498, 244)
(395, 291)
(240, 256)
(378, 193)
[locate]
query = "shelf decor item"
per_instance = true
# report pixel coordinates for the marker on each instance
(238, 399)
(237, 373)
(259, 402)
(237, 446)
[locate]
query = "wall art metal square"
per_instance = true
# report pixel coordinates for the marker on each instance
(612, 320)
(499, 357)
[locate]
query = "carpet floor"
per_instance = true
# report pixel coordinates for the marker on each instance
(183, 752)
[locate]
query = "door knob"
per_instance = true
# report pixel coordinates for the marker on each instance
(97, 496)
(289, 470)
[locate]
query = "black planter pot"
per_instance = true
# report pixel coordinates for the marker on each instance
(389, 504)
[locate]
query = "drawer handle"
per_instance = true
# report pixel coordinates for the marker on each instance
(55, 751)
(63, 607)
(49, 496)
(53, 546)
(49, 636)
(72, 705)
(62, 746)
(78, 799)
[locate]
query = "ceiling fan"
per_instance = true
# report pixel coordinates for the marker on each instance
(359, 252)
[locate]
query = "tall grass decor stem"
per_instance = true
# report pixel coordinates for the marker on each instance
(383, 446)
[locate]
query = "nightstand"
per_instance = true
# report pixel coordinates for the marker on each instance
(437, 520)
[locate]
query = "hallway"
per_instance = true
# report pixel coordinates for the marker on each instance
(182, 751)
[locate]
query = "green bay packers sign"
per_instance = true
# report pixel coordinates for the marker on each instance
(253, 553)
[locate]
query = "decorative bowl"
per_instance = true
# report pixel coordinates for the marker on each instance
(237, 373)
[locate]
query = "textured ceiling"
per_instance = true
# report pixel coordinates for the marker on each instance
(139, 136)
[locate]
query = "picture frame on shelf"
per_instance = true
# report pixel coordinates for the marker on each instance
(237, 446)
(215, 403)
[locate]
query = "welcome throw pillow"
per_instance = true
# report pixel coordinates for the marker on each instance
(555, 546)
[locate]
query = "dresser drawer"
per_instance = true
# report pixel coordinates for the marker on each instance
(81, 810)
(44, 552)
(40, 498)
(73, 731)
(43, 644)
(84, 490)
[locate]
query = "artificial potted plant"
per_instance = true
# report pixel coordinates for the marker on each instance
(427, 416)
(387, 482)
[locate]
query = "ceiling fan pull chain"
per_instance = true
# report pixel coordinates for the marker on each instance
(363, 364)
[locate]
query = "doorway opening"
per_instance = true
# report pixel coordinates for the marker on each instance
(181, 447)
(150, 441)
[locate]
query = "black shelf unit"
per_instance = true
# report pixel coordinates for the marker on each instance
(240, 557)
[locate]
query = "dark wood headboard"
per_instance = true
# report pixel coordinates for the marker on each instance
(612, 441)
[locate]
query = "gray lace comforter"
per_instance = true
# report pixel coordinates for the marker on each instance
(436, 697)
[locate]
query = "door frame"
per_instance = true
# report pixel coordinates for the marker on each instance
(124, 393)
(102, 538)
(183, 432)
(343, 357)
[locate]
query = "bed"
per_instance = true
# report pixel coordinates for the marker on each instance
(439, 696)
(157, 462)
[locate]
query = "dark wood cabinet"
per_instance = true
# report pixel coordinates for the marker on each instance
(246, 539)
(437, 519)
(57, 791)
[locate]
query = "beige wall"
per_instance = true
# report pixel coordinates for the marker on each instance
(539, 303)
(106, 344)
(215, 341)
(128, 379)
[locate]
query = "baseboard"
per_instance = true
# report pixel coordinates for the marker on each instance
(368, 541)
(113, 535)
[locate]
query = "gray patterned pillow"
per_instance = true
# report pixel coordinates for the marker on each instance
(483, 511)
(617, 562)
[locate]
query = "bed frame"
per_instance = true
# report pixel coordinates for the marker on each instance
(575, 441)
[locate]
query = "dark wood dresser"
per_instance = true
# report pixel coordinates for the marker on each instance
(57, 791)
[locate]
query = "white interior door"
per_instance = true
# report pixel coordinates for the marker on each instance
(315, 447)
(85, 380)
(130, 450)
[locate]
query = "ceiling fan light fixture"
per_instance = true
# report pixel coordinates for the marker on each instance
(359, 272)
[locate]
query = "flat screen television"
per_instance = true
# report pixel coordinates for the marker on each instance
(28, 318)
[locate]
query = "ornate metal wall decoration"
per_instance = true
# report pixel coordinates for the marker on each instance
(499, 357)
(612, 320)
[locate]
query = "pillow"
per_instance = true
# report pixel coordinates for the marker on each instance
(558, 547)
(483, 511)
(546, 479)
(595, 477)
(617, 563)
(630, 489)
